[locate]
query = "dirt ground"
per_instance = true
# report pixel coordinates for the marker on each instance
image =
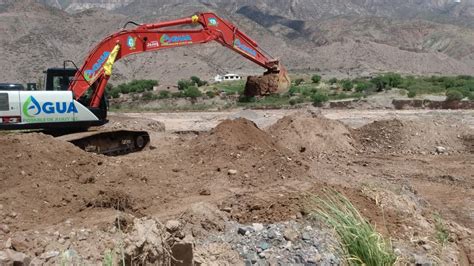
(402, 169)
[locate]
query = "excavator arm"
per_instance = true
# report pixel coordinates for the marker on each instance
(97, 69)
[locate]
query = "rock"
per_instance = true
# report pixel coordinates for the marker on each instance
(257, 227)
(205, 192)
(13, 214)
(290, 235)
(172, 226)
(1, 207)
(36, 262)
(227, 209)
(8, 244)
(317, 258)
(183, 253)
(244, 230)
(306, 236)
(272, 234)
(440, 150)
(264, 246)
(48, 255)
(232, 172)
(427, 247)
(422, 260)
(4, 228)
(11, 257)
(252, 258)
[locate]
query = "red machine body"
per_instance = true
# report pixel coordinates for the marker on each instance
(153, 37)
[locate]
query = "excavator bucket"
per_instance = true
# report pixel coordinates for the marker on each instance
(272, 81)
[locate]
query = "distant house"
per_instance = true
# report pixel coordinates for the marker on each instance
(227, 77)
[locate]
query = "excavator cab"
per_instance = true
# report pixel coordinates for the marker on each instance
(58, 79)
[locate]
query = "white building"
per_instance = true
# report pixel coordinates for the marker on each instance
(227, 77)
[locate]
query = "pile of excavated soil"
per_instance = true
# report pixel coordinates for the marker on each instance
(406, 137)
(120, 122)
(241, 146)
(312, 135)
(45, 181)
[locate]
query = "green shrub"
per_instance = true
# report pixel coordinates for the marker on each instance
(184, 84)
(164, 94)
(411, 94)
(293, 90)
(298, 81)
(316, 78)
(380, 83)
(347, 85)
(361, 243)
(333, 81)
(319, 98)
(141, 85)
(192, 92)
(197, 81)
(148, 96)
(362, 86)
(471, 96)
(210, 94)
(115, 93)
(247, 99)
(454, 95)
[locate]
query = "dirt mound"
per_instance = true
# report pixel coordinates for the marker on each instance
(312, 135)
(46, 180)
(120, 122)
(408, 137)
(239, 149)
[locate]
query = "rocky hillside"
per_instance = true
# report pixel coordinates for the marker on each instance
(335, 38)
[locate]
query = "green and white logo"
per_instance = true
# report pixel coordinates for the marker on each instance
(31, 105)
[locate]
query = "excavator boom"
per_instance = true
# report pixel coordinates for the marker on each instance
(157, 36)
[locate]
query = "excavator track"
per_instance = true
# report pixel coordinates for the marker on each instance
(110, 143)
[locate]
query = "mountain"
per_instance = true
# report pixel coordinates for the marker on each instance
(332, 37)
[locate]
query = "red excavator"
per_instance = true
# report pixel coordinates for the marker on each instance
(83, 104)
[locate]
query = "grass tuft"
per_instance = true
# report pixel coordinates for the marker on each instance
(361, 244)
(442, 234)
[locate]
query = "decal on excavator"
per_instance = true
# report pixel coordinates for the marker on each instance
(131, 42)
(244, 48)
(153, 44)
(89, 74)
(175, 39)
(213, 21)
(32, 108)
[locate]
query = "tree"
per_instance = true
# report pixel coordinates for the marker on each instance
(197, 81)
(347, 85)
(454, 95)
(184, 84)
(319, 98)
(164, 94)
(316, 79)
(333, 81)
(380, 83)
(192, 92)
(411, 94)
